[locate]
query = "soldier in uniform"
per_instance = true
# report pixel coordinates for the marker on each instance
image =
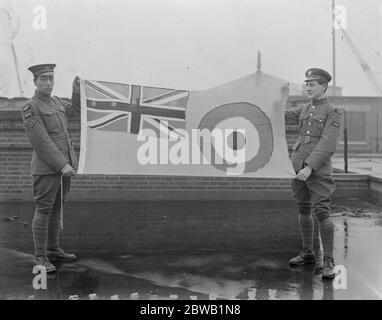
(53, 162)
(319, 124)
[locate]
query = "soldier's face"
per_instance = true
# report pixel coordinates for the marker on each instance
(314, 89)
(44, 83)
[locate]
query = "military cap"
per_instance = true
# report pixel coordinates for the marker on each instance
(40, 69)
(317, 74)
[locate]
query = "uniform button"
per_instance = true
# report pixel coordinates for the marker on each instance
(311, 114)
(313, 107)
(308, 132)
(309, 123)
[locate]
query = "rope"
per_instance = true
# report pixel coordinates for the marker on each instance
(62, 205)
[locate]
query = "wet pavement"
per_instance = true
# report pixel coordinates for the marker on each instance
(188, 251)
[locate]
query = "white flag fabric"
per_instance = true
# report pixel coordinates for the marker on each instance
(236, 129)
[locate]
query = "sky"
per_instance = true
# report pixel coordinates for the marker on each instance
(192, 45)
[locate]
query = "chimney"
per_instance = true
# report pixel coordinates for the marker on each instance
(259, 61)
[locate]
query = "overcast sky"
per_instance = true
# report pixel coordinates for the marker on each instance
(190, 44)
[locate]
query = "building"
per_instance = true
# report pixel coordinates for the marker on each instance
(363, 121)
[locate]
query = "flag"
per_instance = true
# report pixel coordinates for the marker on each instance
(233, 129)
(131, 108)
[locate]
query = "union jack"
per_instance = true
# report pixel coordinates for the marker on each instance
(129, 108)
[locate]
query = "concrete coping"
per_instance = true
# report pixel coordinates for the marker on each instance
(376, 179)
(351, 176)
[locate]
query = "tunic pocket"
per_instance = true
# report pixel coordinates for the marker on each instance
(319, 122)
(301, 119)
(52, 121)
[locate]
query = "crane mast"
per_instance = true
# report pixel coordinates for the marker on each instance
(364, 65)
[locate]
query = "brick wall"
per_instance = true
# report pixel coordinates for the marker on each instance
(376, 189)
(15, 179)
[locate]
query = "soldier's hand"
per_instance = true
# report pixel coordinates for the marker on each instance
(67, 171)
(304, 174)
(76, 84)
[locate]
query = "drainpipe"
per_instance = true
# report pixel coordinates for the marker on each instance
(345, 142)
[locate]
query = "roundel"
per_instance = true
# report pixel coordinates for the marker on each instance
(258, 138)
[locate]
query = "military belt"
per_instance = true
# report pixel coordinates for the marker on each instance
(307, 139)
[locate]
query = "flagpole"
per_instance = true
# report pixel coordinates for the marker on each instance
(21, 92)
(333, 48)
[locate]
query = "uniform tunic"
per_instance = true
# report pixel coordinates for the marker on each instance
(319, 124)
(46, 124)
